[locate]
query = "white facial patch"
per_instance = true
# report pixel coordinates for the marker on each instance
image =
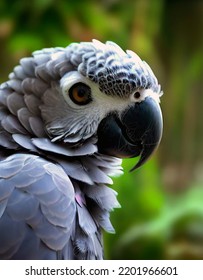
(140, 95)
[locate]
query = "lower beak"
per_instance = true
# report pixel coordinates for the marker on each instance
(137, 132)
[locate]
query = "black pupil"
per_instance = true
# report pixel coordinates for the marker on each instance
(137, 94)
(81, 92)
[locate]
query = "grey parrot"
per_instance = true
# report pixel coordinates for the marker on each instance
(67, 118)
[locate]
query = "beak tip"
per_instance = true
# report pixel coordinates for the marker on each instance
(146, 153)
(138, 164)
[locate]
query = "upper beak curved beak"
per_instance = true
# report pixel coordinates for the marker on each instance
(137, 132)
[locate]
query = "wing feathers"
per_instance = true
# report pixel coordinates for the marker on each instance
(22, 206)
(37, 198)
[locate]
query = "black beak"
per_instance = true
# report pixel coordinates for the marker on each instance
(137, 132)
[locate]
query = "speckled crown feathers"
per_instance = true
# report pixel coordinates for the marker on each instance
(117, 72)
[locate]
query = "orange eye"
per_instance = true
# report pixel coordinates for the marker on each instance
(80, 94)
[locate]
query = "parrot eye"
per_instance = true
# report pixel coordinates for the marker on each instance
(137, 95)
(80, 94)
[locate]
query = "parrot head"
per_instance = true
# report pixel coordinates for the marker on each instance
(110, 94)
(88, 92)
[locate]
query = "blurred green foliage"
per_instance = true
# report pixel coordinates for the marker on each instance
(162, 210)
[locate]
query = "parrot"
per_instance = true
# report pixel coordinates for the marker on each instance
(68, 116)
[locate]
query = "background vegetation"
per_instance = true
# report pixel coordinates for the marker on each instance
(162, 203)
